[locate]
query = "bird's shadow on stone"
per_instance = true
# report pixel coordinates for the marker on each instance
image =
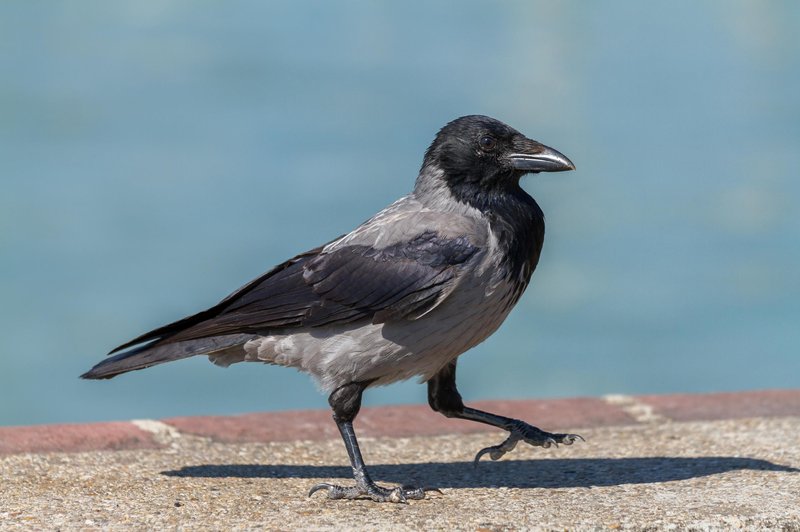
(546, 473)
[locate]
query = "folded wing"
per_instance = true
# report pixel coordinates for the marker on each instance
(319, 288)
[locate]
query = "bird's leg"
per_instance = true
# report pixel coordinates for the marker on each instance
(443, 397)
(346, 402)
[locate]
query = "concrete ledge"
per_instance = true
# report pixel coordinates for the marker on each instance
(401, 421)
(673, 462)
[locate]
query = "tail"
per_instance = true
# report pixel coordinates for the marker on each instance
(213, 331)
(154, 353)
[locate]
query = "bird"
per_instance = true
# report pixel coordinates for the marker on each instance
(402, 295)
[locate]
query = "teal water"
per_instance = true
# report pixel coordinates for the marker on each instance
(156, 155)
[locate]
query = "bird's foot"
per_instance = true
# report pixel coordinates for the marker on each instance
(371, 491)
(521, 431)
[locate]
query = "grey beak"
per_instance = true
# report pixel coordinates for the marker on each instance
(541, 159)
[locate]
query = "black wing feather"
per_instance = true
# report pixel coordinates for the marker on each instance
(247, 294)
(314, 289)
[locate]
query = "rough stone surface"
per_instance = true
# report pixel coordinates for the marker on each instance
(669, 475)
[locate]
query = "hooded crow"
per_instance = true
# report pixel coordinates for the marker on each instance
(402, 295)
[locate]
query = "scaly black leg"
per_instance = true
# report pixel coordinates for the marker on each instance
(346, 402)
(443, 397)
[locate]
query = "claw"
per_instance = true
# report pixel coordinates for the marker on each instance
(413, 492)
(318, 487)
(324, 486)
(496, 452)
(481, 453)
(531, 435)
(399, 495)
(569, 439)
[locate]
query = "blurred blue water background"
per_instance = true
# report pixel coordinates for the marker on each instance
(155, 155)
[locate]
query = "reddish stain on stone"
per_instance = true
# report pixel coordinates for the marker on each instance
(399, 421)
(74, 438)
(551, 415)
(260, 427)
(712, 406)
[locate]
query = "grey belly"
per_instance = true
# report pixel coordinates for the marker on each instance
(383, 353)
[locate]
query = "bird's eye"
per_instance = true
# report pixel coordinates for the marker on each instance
(487, 143)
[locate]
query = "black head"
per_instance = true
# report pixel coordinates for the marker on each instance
(481, 151)
(480, 160)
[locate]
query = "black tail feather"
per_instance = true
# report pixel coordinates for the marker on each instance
(154, 353)
(120, 363)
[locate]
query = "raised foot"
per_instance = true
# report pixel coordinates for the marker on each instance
(372, 491)
(521, 431)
